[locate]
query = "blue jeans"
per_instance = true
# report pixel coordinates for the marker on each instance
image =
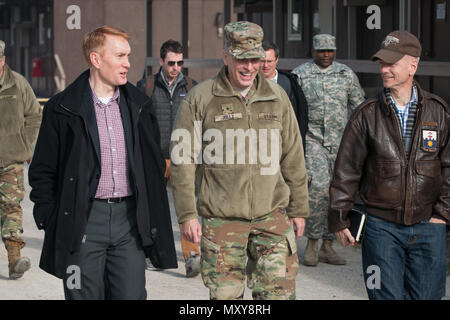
(410, 260)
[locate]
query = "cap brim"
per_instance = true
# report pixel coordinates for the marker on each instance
(388, 56)
(251, 54)
(325, 48)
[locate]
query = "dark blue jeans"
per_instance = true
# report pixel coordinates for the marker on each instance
(404, 262)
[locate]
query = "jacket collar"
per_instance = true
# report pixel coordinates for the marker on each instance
(179, 81)
(387, 105)
(73, 96)
(333, 68)
(222, 87)
(7, 79)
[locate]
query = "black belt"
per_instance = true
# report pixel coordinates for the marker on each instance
(114, 200)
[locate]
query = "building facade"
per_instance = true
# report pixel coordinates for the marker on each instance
(44, 36)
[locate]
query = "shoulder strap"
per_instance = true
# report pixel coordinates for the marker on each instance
(189, 84)
(150, 85)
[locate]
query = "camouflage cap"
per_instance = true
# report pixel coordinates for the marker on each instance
(2, 48)
(243, 40)
(324, 42)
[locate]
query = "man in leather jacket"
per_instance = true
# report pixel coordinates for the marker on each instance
(395, 152)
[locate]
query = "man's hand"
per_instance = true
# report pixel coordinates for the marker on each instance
(299, 226)
(345, 238)
(437, 220)
(191, 230)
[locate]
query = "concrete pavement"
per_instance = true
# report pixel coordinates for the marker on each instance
(313, 283)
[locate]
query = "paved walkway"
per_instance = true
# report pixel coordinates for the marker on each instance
(316, 283)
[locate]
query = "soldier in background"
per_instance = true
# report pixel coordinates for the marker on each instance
(332, 91)
(19, 126)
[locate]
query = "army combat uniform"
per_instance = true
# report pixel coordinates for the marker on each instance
(19, 125)
(246, 227)
(331, 96)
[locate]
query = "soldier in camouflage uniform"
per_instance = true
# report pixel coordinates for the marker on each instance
(332, 91)
(19, 126)
(246, 227)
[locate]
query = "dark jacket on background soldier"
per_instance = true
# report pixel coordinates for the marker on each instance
(165, 104)
(288, 81)
(65, 172)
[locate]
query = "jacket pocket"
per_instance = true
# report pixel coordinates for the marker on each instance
(384, 184)
(209, 258)
(428, 181)
(224, 192)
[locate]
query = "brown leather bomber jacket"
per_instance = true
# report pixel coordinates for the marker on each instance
(372, 160)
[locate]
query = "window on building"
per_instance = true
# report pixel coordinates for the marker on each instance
(295, 20)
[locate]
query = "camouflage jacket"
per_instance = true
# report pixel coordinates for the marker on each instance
(332, 95)
(20, 118)
(233, 181)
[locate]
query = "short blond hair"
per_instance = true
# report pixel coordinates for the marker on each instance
(96, 39)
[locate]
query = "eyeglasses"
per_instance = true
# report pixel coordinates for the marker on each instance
(267, 61)
(172, 63)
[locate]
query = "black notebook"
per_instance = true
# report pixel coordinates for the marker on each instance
(357, 218)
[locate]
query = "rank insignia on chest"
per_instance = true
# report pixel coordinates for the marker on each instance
(267, 116)
(429, 140)
(227, 108)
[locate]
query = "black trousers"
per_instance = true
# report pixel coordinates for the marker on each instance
(111, 262)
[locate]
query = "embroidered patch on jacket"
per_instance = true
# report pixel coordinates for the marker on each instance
(429, 124)
(227, 108)
(267, 116)
(429, 140)
(231, 116)
(8, 96)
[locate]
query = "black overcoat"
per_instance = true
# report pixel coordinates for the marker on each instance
(65, 167)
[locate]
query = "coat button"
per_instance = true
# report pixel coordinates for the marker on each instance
(71, 179)
(66, 213)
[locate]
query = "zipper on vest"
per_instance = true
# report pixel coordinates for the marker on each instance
(249, 121)
(411, 155)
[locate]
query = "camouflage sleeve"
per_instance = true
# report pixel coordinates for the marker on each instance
(292, 162)
(32, 113)
(355, 94)
(182, 155)
(297, 72)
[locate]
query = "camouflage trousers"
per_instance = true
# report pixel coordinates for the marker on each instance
(319, 166)
(11, 194)
(264, 249)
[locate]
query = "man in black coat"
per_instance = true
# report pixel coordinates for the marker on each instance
(97, 180)
(288, 81)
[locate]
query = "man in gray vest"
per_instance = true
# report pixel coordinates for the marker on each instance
(167, 89)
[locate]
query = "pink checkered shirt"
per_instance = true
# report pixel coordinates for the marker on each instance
(113, 152)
